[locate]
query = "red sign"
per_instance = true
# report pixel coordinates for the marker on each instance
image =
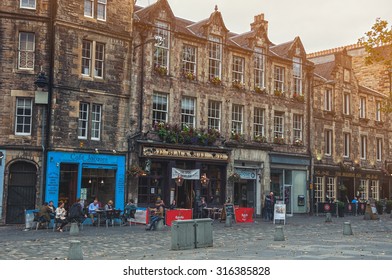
(178, 214)
(244, 215)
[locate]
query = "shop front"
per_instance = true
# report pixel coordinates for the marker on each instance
(86, 176)
(183, 175)
(289, 181)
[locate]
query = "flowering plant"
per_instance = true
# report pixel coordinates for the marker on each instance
(298, 97)
(260, 138)
(278, 93)
(278, 140)
(136, 171)
(237, 84)
(298, 142)
(189, 75)
(237, 136)
(234, 177)
(262, 90)
(161, 70)
(216, 80)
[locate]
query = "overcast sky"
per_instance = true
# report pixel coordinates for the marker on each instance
(321, 24)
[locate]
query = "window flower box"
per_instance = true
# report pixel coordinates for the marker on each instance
(237, 136)
(189, 75)
(278, 93)
(260, 139)
(279, 140)
(260, 90)
(298, 142)
(237, 84)
(161, 70)
(216, 81)
(298, 97)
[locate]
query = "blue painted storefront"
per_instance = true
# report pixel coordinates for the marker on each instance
(94, 161)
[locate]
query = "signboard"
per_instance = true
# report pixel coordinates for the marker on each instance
(244, 215)
(247, 174)
(177, 214)
(228, 210)
(280, 212)
(191, 174)
(141, 216)
(188, 154)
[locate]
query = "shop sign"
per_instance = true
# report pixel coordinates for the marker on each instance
(178, 153)
(246, 174)
(187, 174)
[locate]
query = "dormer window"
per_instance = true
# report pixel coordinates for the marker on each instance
(162, 50)
(259, 68)
(297, 75)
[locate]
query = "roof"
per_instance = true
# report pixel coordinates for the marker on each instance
(325, 70)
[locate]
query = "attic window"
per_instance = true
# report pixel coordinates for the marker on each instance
(346, 75)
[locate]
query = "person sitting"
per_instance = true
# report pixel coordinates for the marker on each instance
(129, 211)
(61, 217)
(44, 214)
(109, 211)
(202, 207)
(157, 214)
(173, 205)
(92, 211)
(52, 209)
(76, 212)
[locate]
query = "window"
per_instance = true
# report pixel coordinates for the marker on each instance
(346, 145)
(214, 115)
(161, 52)
(93, 60)
(278, 125)
(96, 121)
(363, 146)
(374, 189)
(346, 75)
(363, 184)
(238, 69)
(28, 4)
(160, 108)
(346, 104)
(328, 142)
(189, 60)
(89, 9)
(328, 100)
(258, 123)
(378, 111)
(297, 127)
(237, 119)
(362, 107)
(188, 112)
(259, 67)
(26, 52)
(214, 57)
(279, 79)
(23, 118)
(318, 189)
(379, 149)
(297, 75)
(330, 190)
(96, 113)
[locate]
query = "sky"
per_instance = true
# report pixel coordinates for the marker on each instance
(321, 24)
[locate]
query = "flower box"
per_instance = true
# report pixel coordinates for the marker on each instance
(161, 70)
(260, 90)
(279, 140)
(298, 97)
(237, 84)
(216, 81)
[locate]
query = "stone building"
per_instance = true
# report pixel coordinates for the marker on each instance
(224, 115)
(66, 139)
(351, 131)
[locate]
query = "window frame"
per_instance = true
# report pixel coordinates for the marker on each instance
(328, 138)
(259, 67)
(328, 105)
(297, 79)
(237, 68)
(189, 65)
(346, 104)
(379, 146)
(27, 48)
(378, 111)
(161, 54)
(214, 57)
(90, 11)
(189, 112)
(362, 107)
(83, 120)
(346, 145)
(214, 115)
(237, 118)
(29, 5)
(363, 147)
(278, 125)
(96, 121)
(23, 120)
(160, 106)
(258, 122)
(102, 10)
(279, 77)
(298, 127)
(94, 57)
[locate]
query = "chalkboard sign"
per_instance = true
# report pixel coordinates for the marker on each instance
(228, 210)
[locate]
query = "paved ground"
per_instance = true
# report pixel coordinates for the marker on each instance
(306, 237)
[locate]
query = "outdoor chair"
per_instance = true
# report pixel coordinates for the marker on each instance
(128, 216)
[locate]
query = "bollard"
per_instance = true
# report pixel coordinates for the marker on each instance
(347, 229)
(75, 250)
(74, 230)
(279, 236)
(159, 225)
(228, 221)
(366, 216)
(328, 218)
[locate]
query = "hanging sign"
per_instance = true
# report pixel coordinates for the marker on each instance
(191, 174)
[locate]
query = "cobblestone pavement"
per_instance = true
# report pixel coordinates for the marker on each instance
(306, 238)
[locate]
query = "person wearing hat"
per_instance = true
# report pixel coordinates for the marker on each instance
(157, 214)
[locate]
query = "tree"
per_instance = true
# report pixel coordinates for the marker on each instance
(378, 43)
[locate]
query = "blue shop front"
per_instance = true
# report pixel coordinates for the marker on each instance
(86, 176)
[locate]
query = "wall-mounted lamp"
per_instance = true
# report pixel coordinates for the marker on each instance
(96, 151)
(41, 81)
(204, 180)
(179, 180)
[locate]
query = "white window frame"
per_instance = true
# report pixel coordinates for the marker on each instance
(83, 122)
(279, 78)
(26, 51)
(363, 146)
(279, 125)
(346, 145)
(297, 75)
(379, 144)
(319, 189)
(258, 122)
(160, 107)
(330, 188)
(101, 10)
(364, 183)
(375, 190)
(328, 142)
(237, 118)
(188, 112)
(189, 58)
(96, 122)
(346, 104)
(214, 115)
(362, 107)
(89, 8)
(297, 127)
(378, 111)
(23, 116)
(215, 57)
(162, 50)
(328, 100)
(28, 4)
(93, 57)
(238, 69)
(259, 68)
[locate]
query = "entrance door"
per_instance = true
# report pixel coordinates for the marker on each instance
(21, 191)
(287, 198)
(68, 183)
(185, 195)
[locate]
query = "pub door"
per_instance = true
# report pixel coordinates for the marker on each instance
(185, 195)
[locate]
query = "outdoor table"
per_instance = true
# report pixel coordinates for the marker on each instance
(105, 213)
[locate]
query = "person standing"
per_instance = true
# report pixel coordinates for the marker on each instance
(269, 206)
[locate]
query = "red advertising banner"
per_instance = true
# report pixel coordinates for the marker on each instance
(244, 215)
(178, 214)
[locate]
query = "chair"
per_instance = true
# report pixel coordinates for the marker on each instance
(109, 218)
(39, 220)
(129, 216)
(217, 213)
(117, 217)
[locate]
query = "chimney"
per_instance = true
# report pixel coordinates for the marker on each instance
(259, 21)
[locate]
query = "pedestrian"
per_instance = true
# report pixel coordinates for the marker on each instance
(269, 206)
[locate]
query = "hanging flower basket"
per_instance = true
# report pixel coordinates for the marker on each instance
(136, 171)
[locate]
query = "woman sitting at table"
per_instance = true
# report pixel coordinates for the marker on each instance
(61, 216)
(109, 213)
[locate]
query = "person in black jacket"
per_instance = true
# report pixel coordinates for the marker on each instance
(76, 213)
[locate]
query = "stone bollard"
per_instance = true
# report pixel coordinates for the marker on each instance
(328, 217)
(366, 216)
(228, 222)
(279, 236)
(347, 229)
(159, 225)
(75, 250)
(74, 230)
